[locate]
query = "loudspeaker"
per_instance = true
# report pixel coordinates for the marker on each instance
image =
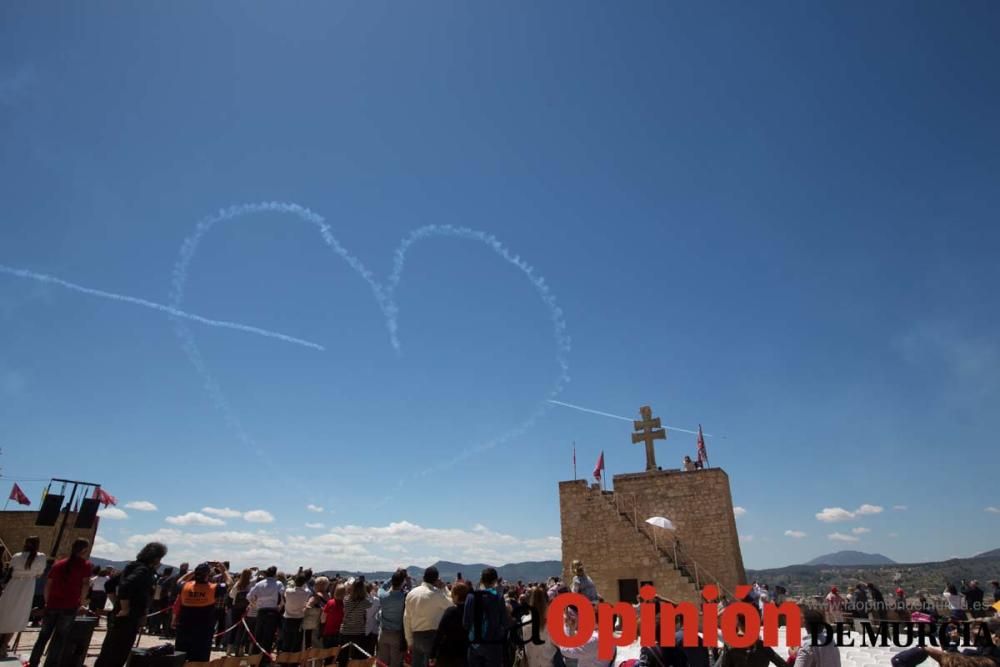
(88, 511)
(50, 510)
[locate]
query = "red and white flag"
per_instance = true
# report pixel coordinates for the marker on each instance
(599, 468)
(702, 452)
(17, 495)
(104, 497)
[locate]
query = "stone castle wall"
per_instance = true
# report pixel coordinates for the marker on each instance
(15, 526)
(700, 505)
(610, 547)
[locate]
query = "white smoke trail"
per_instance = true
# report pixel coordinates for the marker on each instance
(170, 310)
(628, 419)
(384, 296)
(593, 412)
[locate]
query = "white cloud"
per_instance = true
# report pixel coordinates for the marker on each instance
(746, 538)
(258, 516)
(352, 547)
(112, 513)
(739, 511)
(841, 537)
(314, 525)
(314, 508)
(224, 512)
(893, 535)
(194, 519)
(900, 508)
(797, 534)
(992, 510)
(834, 514)
(860, 530)
(104, 548)
(141, 506)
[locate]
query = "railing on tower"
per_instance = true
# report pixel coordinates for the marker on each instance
(628, 505)
(5, 554)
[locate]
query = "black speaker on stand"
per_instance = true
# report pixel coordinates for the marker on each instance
(88, 512)
(49, 512)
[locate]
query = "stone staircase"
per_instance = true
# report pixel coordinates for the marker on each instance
(682, 586)
(692, 575)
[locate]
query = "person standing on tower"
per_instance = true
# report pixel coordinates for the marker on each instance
(583, 584)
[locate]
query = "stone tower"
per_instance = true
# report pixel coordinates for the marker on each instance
(607, 530)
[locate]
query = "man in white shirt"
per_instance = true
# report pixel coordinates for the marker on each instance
(425, 605)
(266, 597)
(295, 608)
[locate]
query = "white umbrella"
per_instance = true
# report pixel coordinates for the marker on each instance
(661, 522)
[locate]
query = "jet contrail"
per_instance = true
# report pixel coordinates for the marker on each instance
(170, 310)
(627, 419)
(593, 412)
(384, 293)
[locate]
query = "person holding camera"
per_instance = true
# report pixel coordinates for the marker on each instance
(194, 610)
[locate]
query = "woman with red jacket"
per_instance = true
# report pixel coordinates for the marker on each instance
(333, 614)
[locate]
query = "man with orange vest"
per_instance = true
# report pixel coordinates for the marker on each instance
(194, 610)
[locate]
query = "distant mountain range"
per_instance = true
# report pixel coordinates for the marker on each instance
(816, 579)
(527, 571)
(104, 562)
(851, 558)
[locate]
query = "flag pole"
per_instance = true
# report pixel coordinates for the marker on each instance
(574, 460)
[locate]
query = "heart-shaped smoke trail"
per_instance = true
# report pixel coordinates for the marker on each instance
(384, 296)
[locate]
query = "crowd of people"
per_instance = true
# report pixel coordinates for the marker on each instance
(425, 623)
(957, 603)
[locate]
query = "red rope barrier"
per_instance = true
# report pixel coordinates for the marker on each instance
(232, 627)
(365, 653)
(254, 640)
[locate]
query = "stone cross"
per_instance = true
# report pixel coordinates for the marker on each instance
(647, 430)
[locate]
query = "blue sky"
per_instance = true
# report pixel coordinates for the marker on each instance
(775, 220)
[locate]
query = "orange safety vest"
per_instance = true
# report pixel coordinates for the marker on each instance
(194, 594)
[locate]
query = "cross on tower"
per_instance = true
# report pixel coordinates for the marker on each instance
(647, 430)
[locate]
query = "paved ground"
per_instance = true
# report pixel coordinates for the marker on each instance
(28, 641)
(850, 657)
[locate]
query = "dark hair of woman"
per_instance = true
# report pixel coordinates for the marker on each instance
(31, 548)
(151, 553)
(80, 545)
(539, 600)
